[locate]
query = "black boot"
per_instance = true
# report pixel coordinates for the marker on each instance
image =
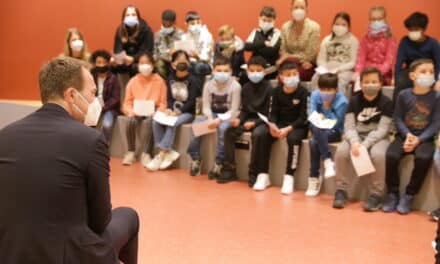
(228, 174)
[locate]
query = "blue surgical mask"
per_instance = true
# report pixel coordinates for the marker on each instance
(131, 21)
(326, 97)
(291, 82)
(425, 80)
(378, 25)
(256, 77)
(222, 77)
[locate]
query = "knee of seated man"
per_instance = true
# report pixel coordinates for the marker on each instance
(129, 214)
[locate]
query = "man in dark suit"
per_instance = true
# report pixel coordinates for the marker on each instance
(54, 181)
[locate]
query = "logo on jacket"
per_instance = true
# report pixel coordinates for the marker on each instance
(367, 114)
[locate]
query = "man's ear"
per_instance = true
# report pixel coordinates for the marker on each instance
(70, 95)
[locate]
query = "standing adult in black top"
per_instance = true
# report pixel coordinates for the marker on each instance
(134, 36)
(54, 181)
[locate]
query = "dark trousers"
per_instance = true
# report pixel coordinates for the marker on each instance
(319, 147)
(122, 233)
(422, 161)
(134, 124)
(261, 149)
(403, 82)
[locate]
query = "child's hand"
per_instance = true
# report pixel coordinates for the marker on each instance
(355, 149)
(285, 131)
(267, 44)
(249, 125)
(128, 60)
(274, 131)
(307, 65)
(214, 123)
(235, 122)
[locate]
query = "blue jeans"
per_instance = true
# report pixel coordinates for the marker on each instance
(164, 135)
(108, 120)
(194, 145)
(319, 147)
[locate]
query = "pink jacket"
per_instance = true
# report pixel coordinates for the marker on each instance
(377, 51)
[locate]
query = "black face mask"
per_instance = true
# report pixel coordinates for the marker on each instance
(102, 69)
(182, 67)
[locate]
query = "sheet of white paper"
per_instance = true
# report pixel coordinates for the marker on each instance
(186, 45)
(225, 116)
(319, 122)
(164, 119)
(202, 128)
(120, 57)
(264, 118)
(362, 164)
(143, 107)
(357, 85)
(321, 70)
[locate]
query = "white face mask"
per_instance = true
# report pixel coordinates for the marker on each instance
(195, 29)
(266, 26)
(299, 14)
(415, 35)
(145, 69)
(131, 21)
(167, 30)
(94, 109)
(340, 30)
(77, 45)
(425, 81)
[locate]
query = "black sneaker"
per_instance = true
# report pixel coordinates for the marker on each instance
(195, 168)
(435, 215)
(215, 172)
(340, 199)
(373, 203)
(228, 174)
(252, 180)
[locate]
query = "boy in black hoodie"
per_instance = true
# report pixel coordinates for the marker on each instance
(255, 96)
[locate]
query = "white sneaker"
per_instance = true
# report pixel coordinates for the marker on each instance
(329, 168)
(155, 163)
(145, 159)
(129, 158)
(314, 187)
(288, 183)
(168, 159)
(263, 181)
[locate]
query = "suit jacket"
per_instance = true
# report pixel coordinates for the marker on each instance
(54, 191)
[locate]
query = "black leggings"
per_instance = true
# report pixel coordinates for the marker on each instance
(122, 233)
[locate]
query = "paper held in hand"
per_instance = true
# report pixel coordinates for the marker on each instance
(264, 118)
(362, 164)
(202, 128)
(165, 119)
(186, 45)
(357, 85)
(318, 121)
(323, 70)
(120, 57)
(143, 107)
(225, 116)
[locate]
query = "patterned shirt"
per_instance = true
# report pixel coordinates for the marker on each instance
(163, 42)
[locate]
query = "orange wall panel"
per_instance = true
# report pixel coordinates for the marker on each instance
(33, 31)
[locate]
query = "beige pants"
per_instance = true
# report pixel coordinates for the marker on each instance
(345, 170)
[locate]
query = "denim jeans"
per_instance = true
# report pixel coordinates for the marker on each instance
(108, 120)
(194, 145)
(319, 147)
(164, 135)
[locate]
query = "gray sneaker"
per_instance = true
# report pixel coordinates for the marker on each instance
(195, 168)
(373, 203)
(340, 199)
(405, 204)
(390, 204)
(215, 172)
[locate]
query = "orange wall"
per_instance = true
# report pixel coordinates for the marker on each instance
(33, 30)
